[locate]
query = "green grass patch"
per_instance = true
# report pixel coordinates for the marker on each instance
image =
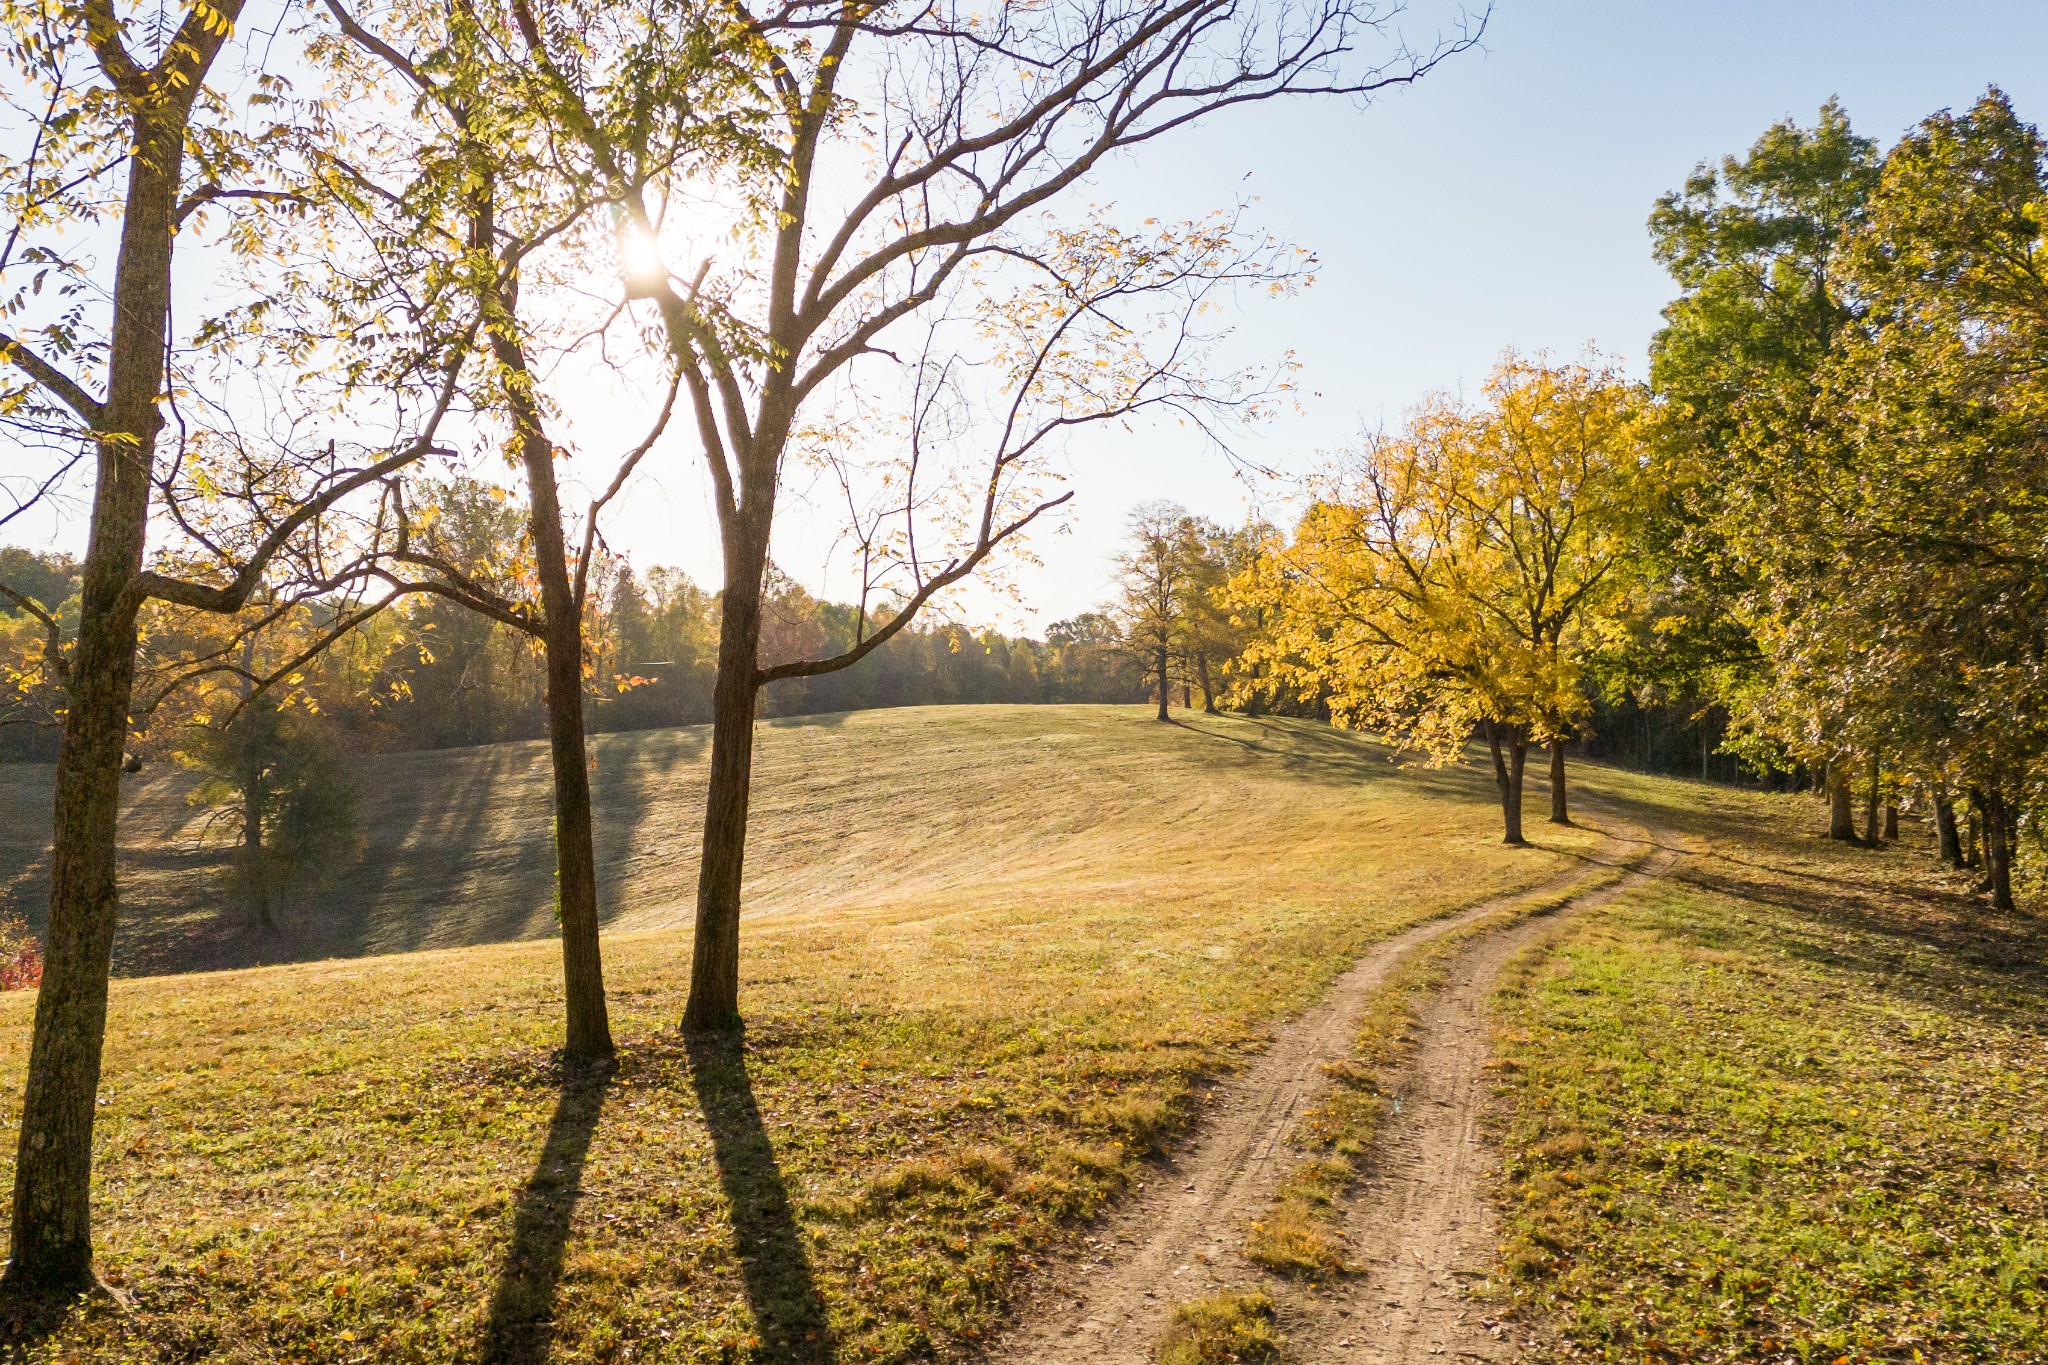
(1227, 1329)
(1792, 1106)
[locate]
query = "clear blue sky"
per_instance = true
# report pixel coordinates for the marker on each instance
(1498, 203)
(1501, 202)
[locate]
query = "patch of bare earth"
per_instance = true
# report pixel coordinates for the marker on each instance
(1419, 1223)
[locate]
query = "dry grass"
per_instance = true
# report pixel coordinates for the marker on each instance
(1229, 1329)
(866, 811)
(987, 980)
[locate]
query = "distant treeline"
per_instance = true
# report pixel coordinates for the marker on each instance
(429, 674)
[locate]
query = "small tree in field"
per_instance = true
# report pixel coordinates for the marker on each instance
(1452, 577)
(277, 777)
(1158, 584)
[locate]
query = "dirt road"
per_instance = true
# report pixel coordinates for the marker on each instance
(1420, 1219)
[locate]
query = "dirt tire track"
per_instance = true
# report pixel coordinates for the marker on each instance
(1423, 1222)
(1180, 1235)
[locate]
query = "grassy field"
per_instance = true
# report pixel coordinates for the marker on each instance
(994, 953)
(1790, 1106)
(852, 811)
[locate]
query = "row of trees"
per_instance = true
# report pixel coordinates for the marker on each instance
(1823, 522)
(273, 765)
(426, 258)
(1855, 362)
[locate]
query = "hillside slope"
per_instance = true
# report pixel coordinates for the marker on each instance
(870, 807)
(997, 957)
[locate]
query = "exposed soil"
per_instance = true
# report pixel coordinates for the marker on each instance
(1420, 1220)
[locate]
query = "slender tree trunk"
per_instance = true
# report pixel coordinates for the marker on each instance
(1510, 750)
(52, 1226)
(715, 969)
(1841, 809)
(254, 883)
(1159, 666)
(1951, 843)
(587, 1034)
(1208, 690)
(1891, 821)
(1873, 802)
(1560, 812)
(1973, 843)
(1998, 829)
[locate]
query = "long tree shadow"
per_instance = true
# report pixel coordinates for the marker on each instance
(788, 1312)
(521, 1327)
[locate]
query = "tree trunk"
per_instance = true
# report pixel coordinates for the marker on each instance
(1891, 821)
(1973, 843)
(1873, 802)
(1945, 824)
(52, 1227)
(1159, 665)
(1208, 689)
(1507, 775)
(1560, 812)
(714, 1003)
(1998, 842)
(254, 882)
(587, 1034)
(1841, 810)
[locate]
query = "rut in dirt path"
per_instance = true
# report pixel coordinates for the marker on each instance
(1422, 1223)
(1180, 1235)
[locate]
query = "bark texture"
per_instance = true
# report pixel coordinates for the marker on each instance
(1841, 809)
(587, 1034)
(714, 1003)
(1560, 810)
(1950, 838)
(1510, 753)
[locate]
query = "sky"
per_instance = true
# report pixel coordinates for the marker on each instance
(1498, 203)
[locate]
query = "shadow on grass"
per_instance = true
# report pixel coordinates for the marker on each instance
(789, 1314)
(521, 1326)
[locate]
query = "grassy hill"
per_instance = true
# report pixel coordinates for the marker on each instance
(861, 809)
(995, 958)
(993, 953)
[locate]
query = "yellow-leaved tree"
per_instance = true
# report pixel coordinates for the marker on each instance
(1456, 576)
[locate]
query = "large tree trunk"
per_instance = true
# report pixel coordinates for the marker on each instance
(1208, 689)
(1510, 751)
(1873, 804)
(1841, 808)
(52, 1227)
(714, 1002)
(1945, 824)
(1159, 666)
(1560, 811)
(1891, 821)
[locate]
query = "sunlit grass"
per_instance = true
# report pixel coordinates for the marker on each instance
(965, 1048)
(1227, 1329)
(1791, 1107)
